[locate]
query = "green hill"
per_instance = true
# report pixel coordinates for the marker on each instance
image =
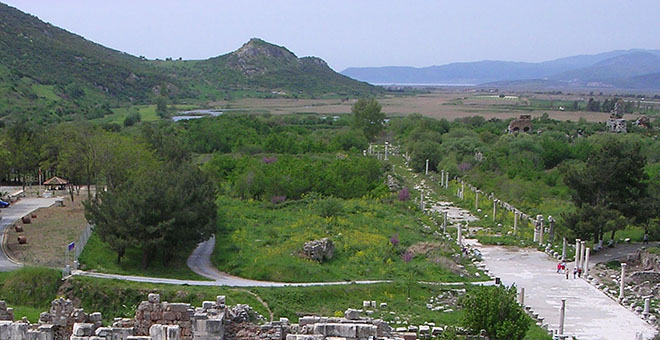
(262, 66)
(49, 74)
(52, 74)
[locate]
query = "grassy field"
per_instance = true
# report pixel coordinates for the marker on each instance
(147, 113)
(447, 104)
(48, 235)
(264, 242)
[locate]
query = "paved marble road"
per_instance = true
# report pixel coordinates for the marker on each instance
(10, 215)
(590, 314)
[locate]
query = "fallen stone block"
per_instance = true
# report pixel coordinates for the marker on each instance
(367, 331)
(306, 320)
(83, 329)
(352, 314)
(336, 329)
(305, 337)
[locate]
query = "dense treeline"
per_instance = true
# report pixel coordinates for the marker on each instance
(282, 177)
(143, 190)
(252, 134)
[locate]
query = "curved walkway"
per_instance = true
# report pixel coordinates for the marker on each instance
(229, 281)
(10, 215)
(200, 262)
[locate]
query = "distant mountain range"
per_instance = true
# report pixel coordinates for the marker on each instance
(50, 74)
(630, 69)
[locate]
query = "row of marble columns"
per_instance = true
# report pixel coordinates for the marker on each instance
(581, 256)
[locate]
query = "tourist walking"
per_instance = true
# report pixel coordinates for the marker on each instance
(574, 272)
(646, 237)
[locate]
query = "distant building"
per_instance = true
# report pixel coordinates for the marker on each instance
(616, 125)
(523, 123)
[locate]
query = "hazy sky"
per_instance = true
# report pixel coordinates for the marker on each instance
(361, 33)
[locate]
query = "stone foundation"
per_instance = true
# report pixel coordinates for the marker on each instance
(154, 320)
(6, 314)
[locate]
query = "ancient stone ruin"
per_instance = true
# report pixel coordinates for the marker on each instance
(6, 314)
(616, 125)
(319, 250)
(522, 124)
(643, 122)
(156, 320)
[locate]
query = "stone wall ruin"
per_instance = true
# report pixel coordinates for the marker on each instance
(522, 124)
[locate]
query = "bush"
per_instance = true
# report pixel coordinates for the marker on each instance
(404, 195)
(132, 118)
(495, 310)
(330, 207)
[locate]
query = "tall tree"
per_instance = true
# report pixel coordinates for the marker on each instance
(171, 207)
(368, 117)
(79, 155)
(161, 107)
(611, 184)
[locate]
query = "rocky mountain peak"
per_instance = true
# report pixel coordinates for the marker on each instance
(256, 48)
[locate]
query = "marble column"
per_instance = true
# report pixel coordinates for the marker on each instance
(583, 249)
(421, 200)
(442, 179)
(386, 149)
(447, 180)
(563, 251)
(587, 251)
(577, 253)
(444, 223)
(515, 222)
(522, 296)
(551, 228)
(459, 235)
(427, 167)
(462, 189)
(494, 208)
(622, 282)
(539, 219)
(647, 306)
(476, 200)
(562, 316)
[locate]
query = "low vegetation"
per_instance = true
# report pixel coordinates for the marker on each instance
(374, 239)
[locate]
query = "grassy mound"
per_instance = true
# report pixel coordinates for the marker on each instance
(29, 290)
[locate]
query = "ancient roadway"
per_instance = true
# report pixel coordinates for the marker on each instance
(590, 314)
(10, 215)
